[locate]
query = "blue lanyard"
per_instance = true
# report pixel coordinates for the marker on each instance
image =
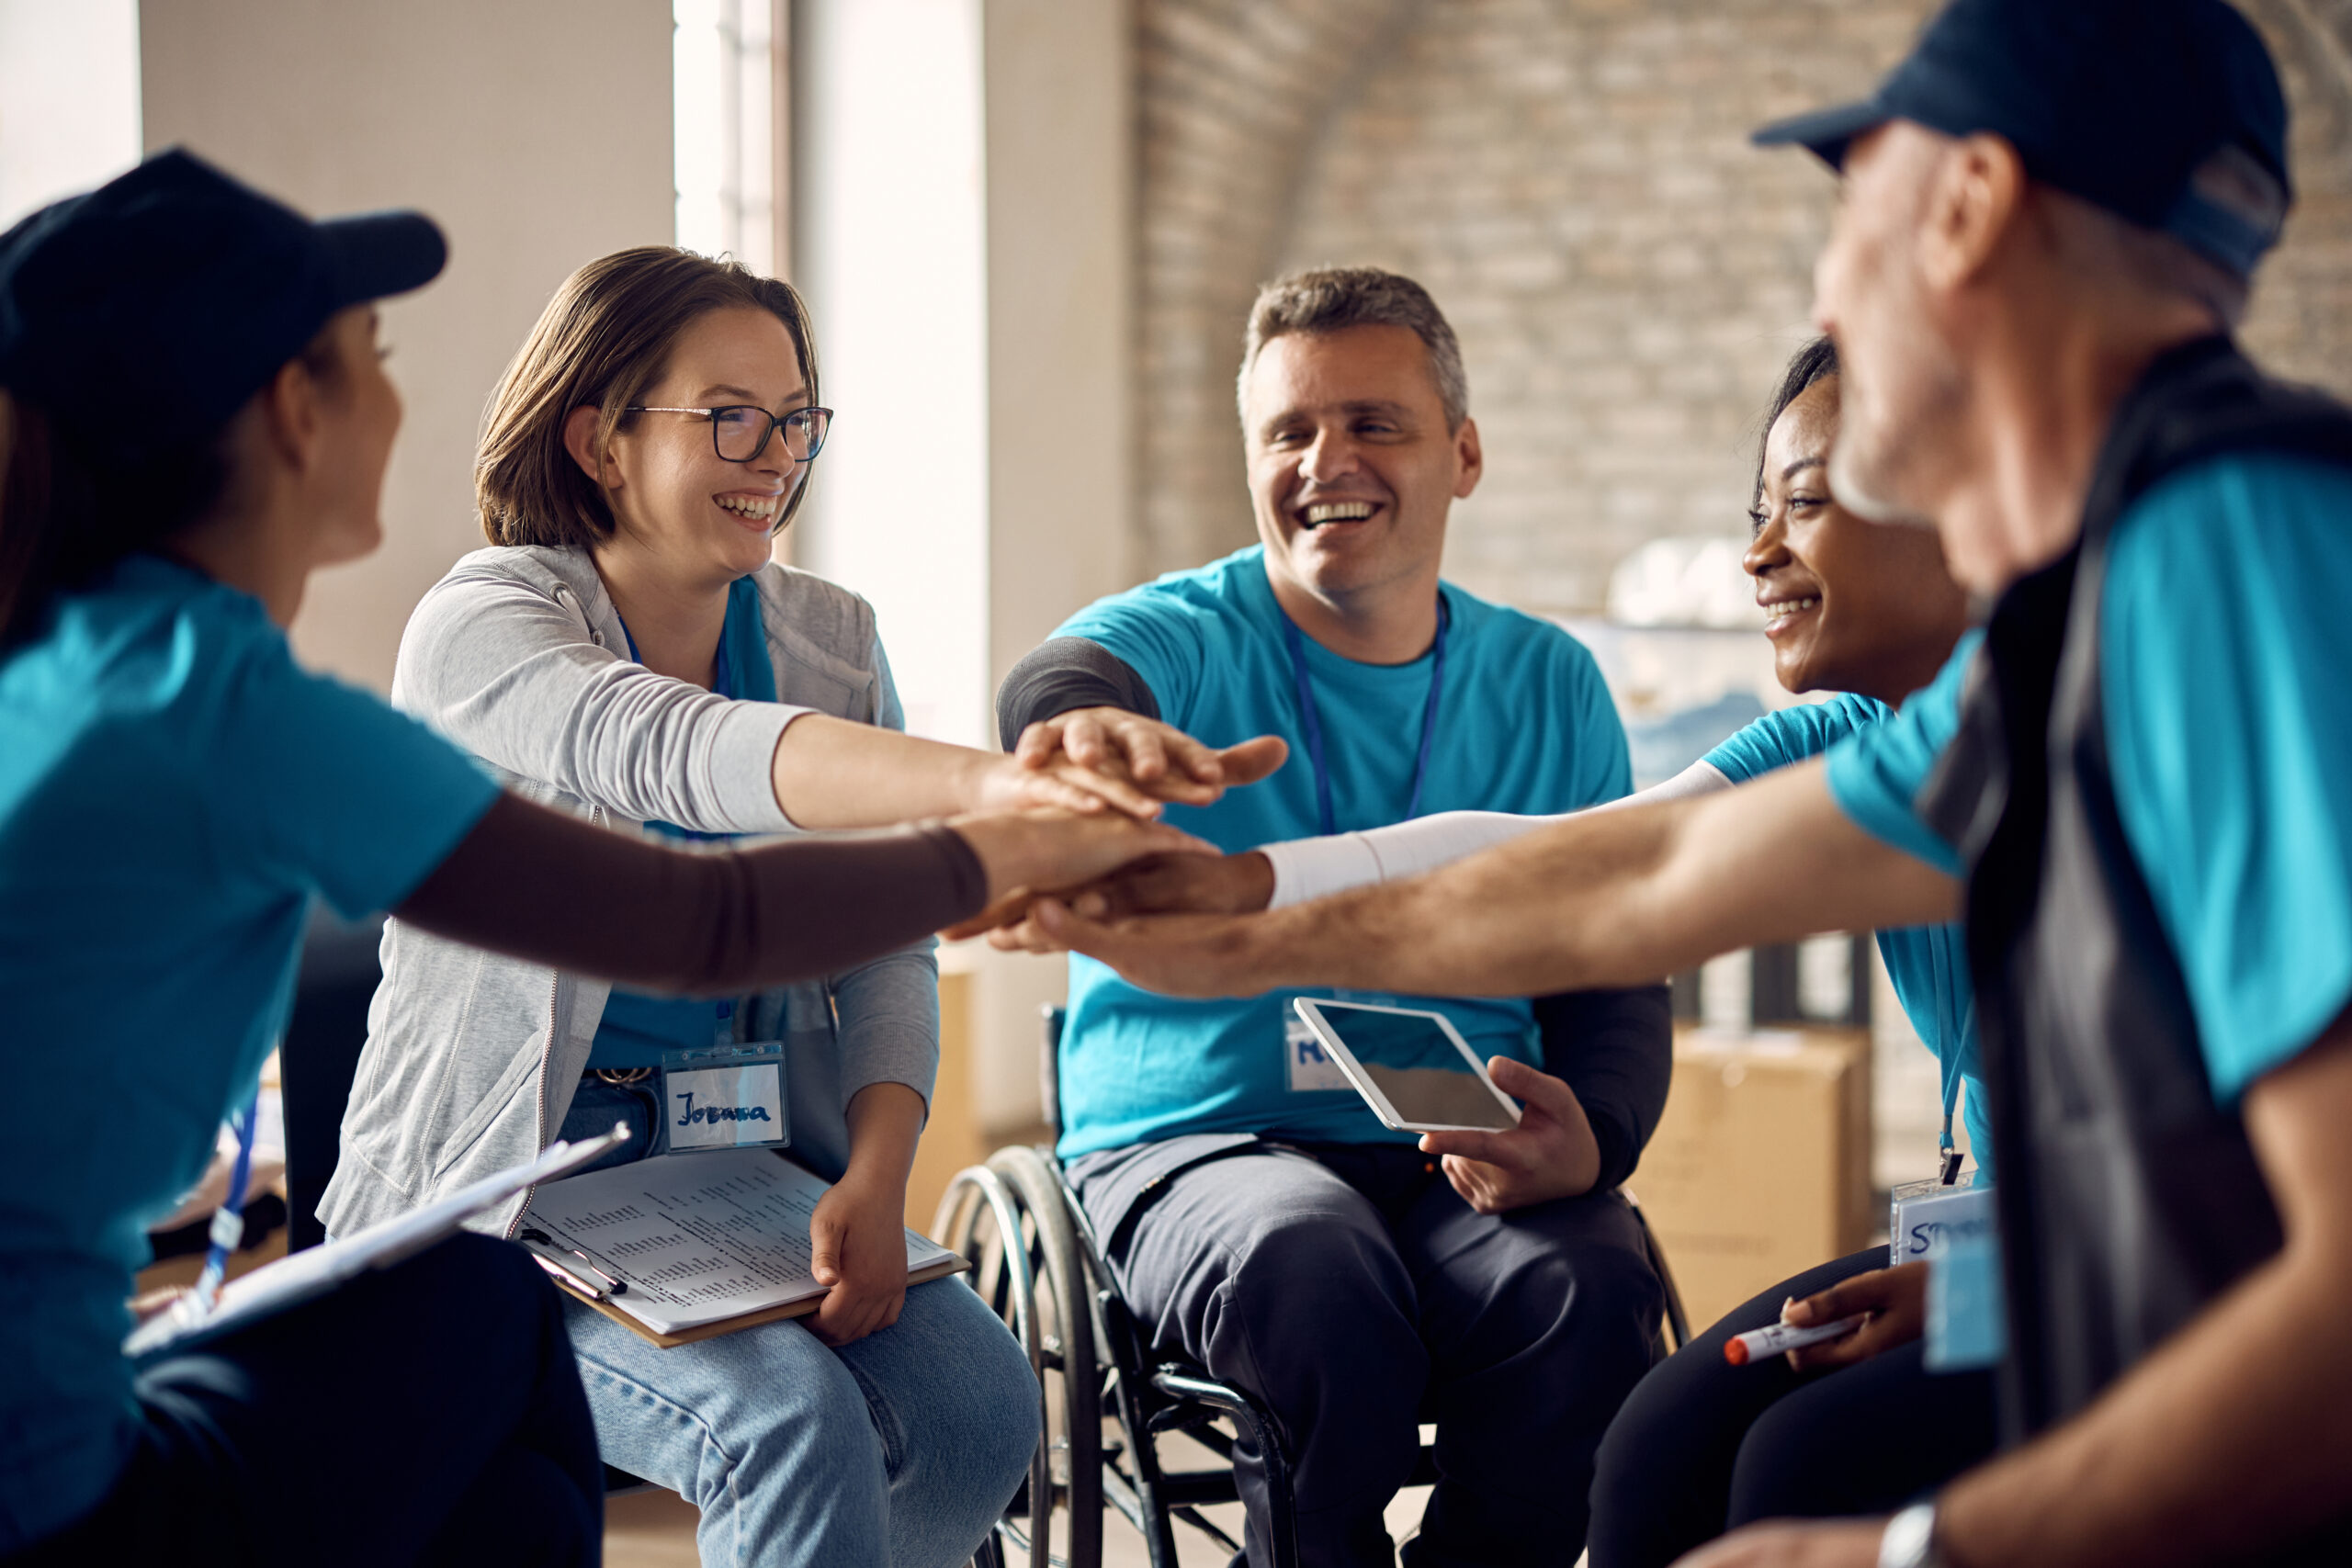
(1948, 1058)
(227, 1229)
(1311, 719)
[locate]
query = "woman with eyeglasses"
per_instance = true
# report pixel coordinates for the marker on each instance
(626, 652)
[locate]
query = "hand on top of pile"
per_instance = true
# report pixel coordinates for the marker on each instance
(1090, 758)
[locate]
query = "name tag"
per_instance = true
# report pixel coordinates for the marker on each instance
(1924, 1210)
(726, 1099)
(1310, 1071)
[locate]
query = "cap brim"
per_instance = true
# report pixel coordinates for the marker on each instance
(1827, 134)
(381, 253)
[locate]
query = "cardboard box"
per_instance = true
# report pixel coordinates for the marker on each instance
(952, 1138)
(1761, 1167)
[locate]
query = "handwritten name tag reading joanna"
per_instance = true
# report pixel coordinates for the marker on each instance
(725, 1107)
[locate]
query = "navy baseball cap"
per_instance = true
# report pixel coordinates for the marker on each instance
(144, 313)
(2167, 113)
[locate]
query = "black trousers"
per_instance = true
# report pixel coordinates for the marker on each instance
(1354, 1292)
(1703, 1447)
(428, 1414)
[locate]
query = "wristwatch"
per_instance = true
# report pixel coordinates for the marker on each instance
(1910, 1541)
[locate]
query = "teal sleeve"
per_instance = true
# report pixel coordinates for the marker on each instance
(1875, 775)
(1601, 741)
(1792, 735)
(321, 785)
(1160, 637)
(2224, 657)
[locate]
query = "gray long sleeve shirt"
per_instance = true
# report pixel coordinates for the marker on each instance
(471, 1058)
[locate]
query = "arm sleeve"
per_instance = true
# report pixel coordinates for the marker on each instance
(685, 923)
(323, 786)
(2230, 733)
(1875, 775)
(1066, 673)
(1305, 869)
(1793, 734)
(1616, 1048)
(511, 675)
(888, 1010)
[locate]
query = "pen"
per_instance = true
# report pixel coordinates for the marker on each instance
(1742, 1348)
(546, 1249)
(615, 1286)
(569, 1277)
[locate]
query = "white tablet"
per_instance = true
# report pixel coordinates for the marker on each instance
(1411, 1065)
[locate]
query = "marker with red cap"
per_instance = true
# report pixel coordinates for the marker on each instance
(1742, 1348)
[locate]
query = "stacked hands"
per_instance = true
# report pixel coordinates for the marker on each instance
(1171, 913)
(1078, 801)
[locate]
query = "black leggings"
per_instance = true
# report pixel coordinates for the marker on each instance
(428, 1414)
(1702, 1447)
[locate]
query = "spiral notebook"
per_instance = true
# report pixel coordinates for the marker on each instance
(686, 1247)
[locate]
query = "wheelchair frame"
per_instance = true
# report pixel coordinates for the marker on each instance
(1038, 1262)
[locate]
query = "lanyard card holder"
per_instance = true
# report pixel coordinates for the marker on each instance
(726, 1097)
(1921, 1211)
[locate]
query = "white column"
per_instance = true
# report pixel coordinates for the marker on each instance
(69, 99)
(961, 177)
(889, 250)
(537, 133)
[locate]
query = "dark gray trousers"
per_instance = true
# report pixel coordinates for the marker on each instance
(1354, 1292)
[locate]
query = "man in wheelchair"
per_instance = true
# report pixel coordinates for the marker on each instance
(1259, 1218)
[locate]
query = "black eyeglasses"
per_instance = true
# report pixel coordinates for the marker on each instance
(740, 432)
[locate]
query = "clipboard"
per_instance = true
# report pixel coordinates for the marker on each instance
(803, 1307)
(688, 1246)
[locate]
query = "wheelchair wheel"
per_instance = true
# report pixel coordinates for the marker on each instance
(981, 1219)
(1072, 1376)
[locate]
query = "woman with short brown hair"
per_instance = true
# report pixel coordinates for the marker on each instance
(627, 652)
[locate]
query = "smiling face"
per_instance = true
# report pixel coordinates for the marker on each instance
(1851, 605)
(674, 501)
(1351, 465)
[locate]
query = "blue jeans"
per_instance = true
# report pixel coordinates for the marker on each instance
(900, 1448)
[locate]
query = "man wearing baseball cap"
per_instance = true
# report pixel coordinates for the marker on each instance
(2140, 789)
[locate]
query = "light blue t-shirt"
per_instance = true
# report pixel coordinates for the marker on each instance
(1928, 964)
(1524, 724)
(2223, 654)
(173, 791)
(638, 1029)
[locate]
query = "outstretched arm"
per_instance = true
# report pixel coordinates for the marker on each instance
(1606, 898)
(706, 924)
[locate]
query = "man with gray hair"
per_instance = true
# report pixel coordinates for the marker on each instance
(1261, 1219)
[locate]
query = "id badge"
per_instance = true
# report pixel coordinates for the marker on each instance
(1921, 1211)
(1307, 1069)
(729, 1097)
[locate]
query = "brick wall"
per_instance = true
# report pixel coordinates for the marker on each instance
(1571, 179)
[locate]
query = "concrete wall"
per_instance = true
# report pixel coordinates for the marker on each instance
(537, 131)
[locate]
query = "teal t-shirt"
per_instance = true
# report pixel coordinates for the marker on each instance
(1928, 964)
(2223, 652)
(173, 791)
(1524, 724)
(636, 1028)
